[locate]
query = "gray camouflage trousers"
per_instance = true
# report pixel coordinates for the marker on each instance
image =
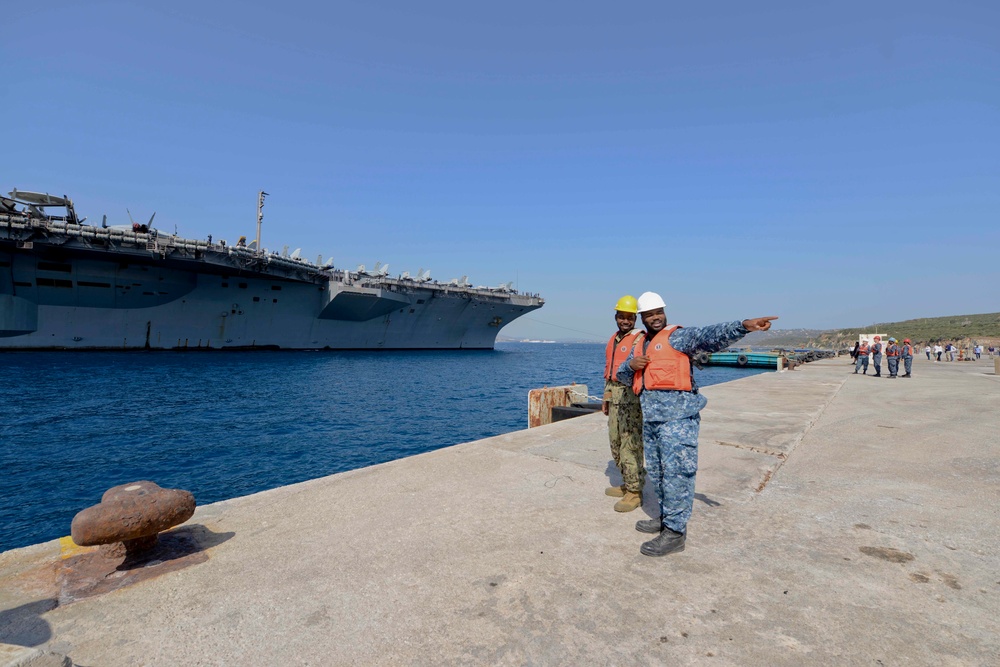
(625, 434)
(672, 461)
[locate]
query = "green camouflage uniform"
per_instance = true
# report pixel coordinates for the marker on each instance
(625, 434)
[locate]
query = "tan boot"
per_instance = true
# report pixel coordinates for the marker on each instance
(615, 491)
(628, 502)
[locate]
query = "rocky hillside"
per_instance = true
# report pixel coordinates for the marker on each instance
(959, 329)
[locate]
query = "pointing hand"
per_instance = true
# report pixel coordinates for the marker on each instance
(758, 323)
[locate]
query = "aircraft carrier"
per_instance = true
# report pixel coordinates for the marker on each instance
(66, 285)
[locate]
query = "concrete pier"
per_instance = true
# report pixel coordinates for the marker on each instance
(840, 520)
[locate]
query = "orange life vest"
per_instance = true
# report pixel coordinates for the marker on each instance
(863, 350)
(615, 353)
(907, 350)
(667, 368)
(892, 351)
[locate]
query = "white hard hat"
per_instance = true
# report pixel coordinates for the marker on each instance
(650, 301)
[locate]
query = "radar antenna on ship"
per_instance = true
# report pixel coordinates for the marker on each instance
(260, 213)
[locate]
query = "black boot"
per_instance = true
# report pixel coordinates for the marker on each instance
(667, 542)
(649, 526)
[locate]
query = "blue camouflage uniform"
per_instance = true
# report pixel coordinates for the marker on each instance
(906, 354)
(877, 358)
(893, 352)
(670, 421)
(862, 361)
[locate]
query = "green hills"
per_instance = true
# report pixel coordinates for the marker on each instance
(958, 329)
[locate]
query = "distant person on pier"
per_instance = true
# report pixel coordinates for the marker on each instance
(951, 352)
(862, 358)
(906, 354)
(979, 352)
(892, 358)
(927, 351)
(877, 356)
(854, 353)
(938, 350)
(659, 370)
(621, 405)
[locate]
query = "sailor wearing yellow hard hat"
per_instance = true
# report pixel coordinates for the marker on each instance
(892, 358)
(622, 408)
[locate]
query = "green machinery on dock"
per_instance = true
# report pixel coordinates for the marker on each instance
(761, 359)
(744, 359)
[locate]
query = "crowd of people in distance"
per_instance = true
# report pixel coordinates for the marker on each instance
(948, 351)
(896, 352)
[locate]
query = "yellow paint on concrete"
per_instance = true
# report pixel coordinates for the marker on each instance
(69, 548)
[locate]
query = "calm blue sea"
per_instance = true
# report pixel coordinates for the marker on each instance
(228, 424)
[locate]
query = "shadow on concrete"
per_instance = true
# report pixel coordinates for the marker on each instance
(708, 501)
(97, 572)
(176, 544)
(614, 474)
(24, 625)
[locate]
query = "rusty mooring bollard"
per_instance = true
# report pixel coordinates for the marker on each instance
(131, 514)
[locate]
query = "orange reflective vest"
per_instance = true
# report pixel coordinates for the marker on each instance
(877, 348)
(667, 368)
(907, 350)
(863, 350)
(615, 353)
(892, 351)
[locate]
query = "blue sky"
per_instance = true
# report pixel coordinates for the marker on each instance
(833, 165)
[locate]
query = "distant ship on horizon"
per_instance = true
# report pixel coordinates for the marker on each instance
(66, 285)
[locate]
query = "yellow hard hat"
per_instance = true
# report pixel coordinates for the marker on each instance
(627, 304)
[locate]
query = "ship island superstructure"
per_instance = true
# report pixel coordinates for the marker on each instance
(69, 285)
